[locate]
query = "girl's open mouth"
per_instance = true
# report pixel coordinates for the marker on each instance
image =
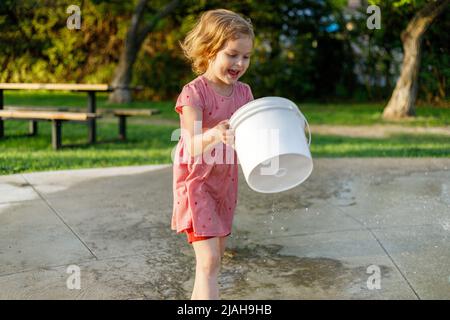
(233, 73)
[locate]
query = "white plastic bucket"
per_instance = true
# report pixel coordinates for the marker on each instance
(271, 144)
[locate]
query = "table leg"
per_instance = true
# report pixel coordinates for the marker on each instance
(56, 134)
(33, 128)
(122, 127)
(91, 122)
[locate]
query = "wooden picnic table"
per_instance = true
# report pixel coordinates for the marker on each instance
(70, 113)
(90, 89)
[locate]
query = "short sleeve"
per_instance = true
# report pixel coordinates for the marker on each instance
(189, 96)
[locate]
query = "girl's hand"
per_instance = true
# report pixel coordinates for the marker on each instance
(225, 133)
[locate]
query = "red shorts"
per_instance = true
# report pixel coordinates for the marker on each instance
(192, 238)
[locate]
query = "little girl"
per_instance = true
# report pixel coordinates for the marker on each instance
(205, 192)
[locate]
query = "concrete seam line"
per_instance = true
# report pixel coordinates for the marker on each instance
(382, 247)
(60, 217)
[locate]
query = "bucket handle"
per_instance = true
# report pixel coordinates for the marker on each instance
(306, 121)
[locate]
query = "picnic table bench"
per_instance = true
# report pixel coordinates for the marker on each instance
(57, 116)
(121, 114)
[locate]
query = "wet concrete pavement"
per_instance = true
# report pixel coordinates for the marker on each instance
(356, 229)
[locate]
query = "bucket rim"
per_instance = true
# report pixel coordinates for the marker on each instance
(276, 102)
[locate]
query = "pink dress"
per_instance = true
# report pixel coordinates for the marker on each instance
(205, 192)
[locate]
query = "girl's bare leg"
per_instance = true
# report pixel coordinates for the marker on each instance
(208, 259)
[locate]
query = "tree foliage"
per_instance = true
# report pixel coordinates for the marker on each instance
(304, 49)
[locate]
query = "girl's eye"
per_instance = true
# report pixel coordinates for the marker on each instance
(232, 55)
(246, 57)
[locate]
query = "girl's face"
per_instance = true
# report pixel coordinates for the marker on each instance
(231, 62)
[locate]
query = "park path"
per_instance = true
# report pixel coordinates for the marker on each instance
(377, 131)
(366, 131)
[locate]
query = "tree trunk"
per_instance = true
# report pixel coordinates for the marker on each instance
(135, 37)
(122, 76)
(404, 96)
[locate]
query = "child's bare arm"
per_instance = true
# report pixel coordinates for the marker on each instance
(197, 141)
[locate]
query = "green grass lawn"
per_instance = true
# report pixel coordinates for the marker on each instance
(357, 114)
(332, 114)
(144, 145)
(151, 144)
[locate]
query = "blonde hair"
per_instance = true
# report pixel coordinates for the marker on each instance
(210, 34)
